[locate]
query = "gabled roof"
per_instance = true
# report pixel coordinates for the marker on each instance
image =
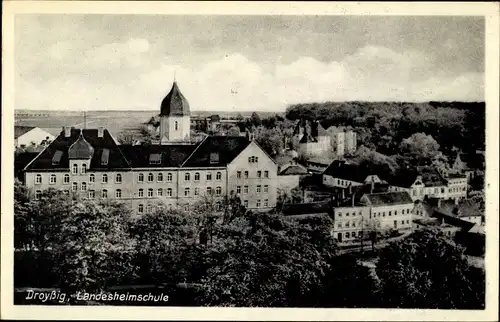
(466, 208)
(21, 160)
(388, 198)
(171, 155)
(293, 169)
(226, 147)
(175, 104)
(347, 171)
(21, 130)
(61, 143)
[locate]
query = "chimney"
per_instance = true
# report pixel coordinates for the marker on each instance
(372, 187)
(67, 131)
(439, 203)
(350, 189)
(456, 201)
(343, 194)
(352, 199)
(100, 132)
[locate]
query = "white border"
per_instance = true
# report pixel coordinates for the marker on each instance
(489, 10)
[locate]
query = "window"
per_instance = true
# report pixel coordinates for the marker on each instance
(238, 175)
(141, 193)
(218, 176)
(118, 178)
(118, 193)
(390, 213)
(159, 177)
(383, 214)
(209, 176)
(196, 191)
(245, 203)
(149, 209)
(84, 168)
(187, 176)
(259, 174)
(159, 192)
(91, 178)
(176, 125)
(155, 158)
(340, 214)
(339, 225)
(442, 190)
(246, 174)
(197, 176)
(245, 189)
(266, 174)
(402, 222)
(218, 206)
(186, 192)
(186, 207)
(104, 178)
(84, 186)
(258, 203)
(253, 159)
(218, 191)
(150, 193)
(266, 188)
(347, 214)
(53, 179)
(238, 189)
(395, 212)
(169, 177)
(353, 224)
(66, 179)
(91, 194)
(140, 178)
(38, 194)
(151, 177)
(38, 179)
(266, 202)
(75, 169)
(258, 188)
(347, 235)
(209, 190)
(169, 192)
(105, 193)
(140, 209)
(347, 225)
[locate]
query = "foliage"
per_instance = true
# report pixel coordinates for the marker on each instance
(420, 146)
(271, 140)
(428, 270)
(266, 260)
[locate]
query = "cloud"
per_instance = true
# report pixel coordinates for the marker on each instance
(136, 75)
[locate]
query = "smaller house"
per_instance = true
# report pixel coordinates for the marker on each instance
(390, 210)
(289, 176)
(466, 210)
(25, 136)
(342, 174)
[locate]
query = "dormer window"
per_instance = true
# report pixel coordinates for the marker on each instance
(176, 125)
(56, 159)
(214, 157)
(155, 158)
(105, 157)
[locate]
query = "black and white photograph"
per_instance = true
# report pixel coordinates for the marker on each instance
(265, 160)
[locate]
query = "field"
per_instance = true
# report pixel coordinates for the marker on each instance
(115, 121)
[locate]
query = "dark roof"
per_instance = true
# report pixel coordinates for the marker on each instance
(20, 130)
(21, 160)
(175, 104)
(217, 151)
(466, 208)
(81, 149)
(307, 138)
(44, 161)
(171, 155)
(215, 118)
(431, 177)
(347, 171)
(293, 170)
(307, 208)
(389, 198)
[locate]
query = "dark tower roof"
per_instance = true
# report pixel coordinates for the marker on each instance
(81, 149)
(174, 104)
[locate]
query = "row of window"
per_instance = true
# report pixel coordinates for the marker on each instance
(258, 203)
(74, 169)
(150, 178)
(258, 189)
(382, 214)
(168, 191)
(91, 193)
(459, 189)
(245, 174)
(66, 178)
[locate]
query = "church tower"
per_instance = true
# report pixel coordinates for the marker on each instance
(175, 117)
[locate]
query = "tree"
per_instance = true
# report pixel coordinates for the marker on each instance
(255, 119)
(271, 140)
(233, 131)
(420, 146)
(266, 260)
(91, 246)
(428, 270)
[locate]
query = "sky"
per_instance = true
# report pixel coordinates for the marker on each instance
(243, 63)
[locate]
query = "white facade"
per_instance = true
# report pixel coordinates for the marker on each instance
(175, 128)
(34, 136)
